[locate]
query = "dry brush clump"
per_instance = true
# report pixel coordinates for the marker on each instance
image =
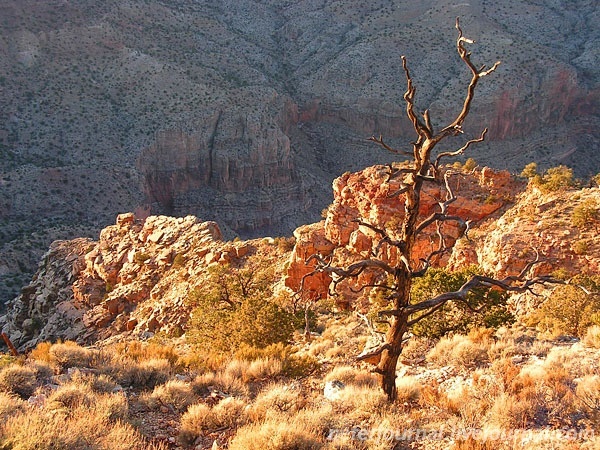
(201, 418)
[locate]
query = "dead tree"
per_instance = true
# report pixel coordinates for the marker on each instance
(395, 280)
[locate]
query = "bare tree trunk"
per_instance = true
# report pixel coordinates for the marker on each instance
(389, 358)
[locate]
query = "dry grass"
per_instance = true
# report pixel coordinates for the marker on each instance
(73, 417)
(10, 405)
(416, 349)
(409, 389)
(39, 430)
(144, 351)
(201, 418)
(219, 381)
(275, 400)
(143, 374)
(458, 351)
(175, 393)
(275, 435)
(592, 337)
(352, 375)
(19, 380)
(588, 397)
(70, 354)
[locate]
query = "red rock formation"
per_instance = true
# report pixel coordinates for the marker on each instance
(364, 195)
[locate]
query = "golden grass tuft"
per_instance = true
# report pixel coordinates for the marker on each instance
(222, 381)
(352, 375)
(592, 337)
(458, 351)
(19, 380)
(274, 435)
(588, 397)
(276, 399)
(175, 393)
(201, 418)
(409, 389)
(144, 374)
(39, 430)
(70, 354)
(10, 405)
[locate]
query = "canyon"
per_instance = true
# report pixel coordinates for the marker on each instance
(136, 279)
(244, 112)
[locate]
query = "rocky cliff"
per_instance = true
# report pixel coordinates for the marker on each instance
(136, 279)
(511, 221)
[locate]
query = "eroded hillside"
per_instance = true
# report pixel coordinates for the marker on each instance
(243, 112)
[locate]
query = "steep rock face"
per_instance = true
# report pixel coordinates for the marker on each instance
(236, 167)
(45, 310)
(365, 196)
(135, 280)
(541, 222)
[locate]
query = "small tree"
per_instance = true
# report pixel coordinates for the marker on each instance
(396, 280)
(237, 306)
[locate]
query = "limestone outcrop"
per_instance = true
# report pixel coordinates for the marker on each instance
(134, 280)
(481, 194)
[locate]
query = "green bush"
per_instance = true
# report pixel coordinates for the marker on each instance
(529, 171)
(571, 309)
(454, 316)
(237, 306)
(555, 179)
(585, 214)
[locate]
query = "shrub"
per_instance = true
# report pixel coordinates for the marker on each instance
(220, 381)
(201, 418)
(569, 309)
(274, 435)
(352, 375)
(19, 380)
(275, 399)
(529, 171)
(88, 430)
(10, 405)
(175, 393)
(458, 316)
(585, 214)
(555, 179)
(588, 395)
(145, 374)
(592, 337)
(41, 352)
(458, 351)
(70, 354)
(470, 164)
(236, 307)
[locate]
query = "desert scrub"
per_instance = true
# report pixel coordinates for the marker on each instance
(352, 375)
(18, 380)
(237, 306)
(570, 309)
(275, 435)
(585, 214)
(144, 374)
(201, 418)
(9, 405)
(70, 354)
(554, 179)
(36, 429)
(175, 393)
(592, 337)
(458, 317)
(458, 351)
(274, 400)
